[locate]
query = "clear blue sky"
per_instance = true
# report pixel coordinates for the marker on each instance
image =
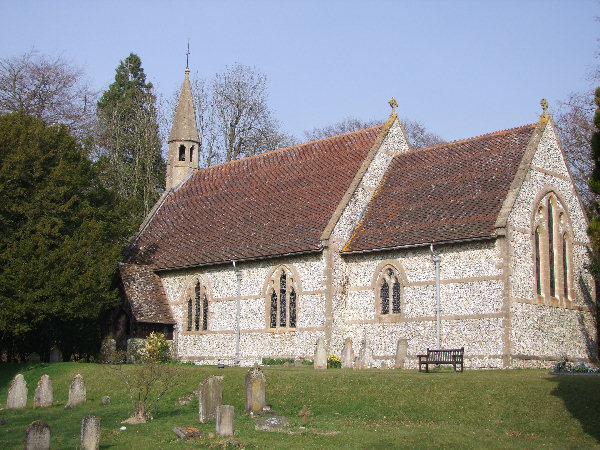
(462, 68)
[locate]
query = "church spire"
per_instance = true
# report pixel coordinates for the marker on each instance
(184, 140)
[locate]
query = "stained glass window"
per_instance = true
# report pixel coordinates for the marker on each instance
(293, 308)
(396, 296)
(385, 297)
(189, 315)
(205, 313)
(282, 300)
(273, 310)
(197, 315)
(565, 267)
(538, 271)
(551, 248)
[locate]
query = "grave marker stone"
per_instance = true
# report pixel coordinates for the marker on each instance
(347, 354)
(365, 356)
(44, 394)
(37, 436)
(255, 384)
(225, 420)
(401, 350)
(17, 393)
(210, 395)
(55, 355)
(90, 433)
(77, 391)
(320, 361)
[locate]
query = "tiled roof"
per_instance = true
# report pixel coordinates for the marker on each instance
(271, 204)
(444, 193)
(145, 293)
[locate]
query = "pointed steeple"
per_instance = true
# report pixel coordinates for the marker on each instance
(184, 140)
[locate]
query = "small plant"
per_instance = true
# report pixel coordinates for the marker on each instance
(566, 366)
(276, 361)
(334, 361)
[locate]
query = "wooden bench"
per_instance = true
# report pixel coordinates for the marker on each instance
(451, 356)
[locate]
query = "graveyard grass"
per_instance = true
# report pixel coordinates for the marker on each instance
(348, 408)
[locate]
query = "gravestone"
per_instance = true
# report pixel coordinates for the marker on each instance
(44, 394)
(108, 350)
(55, 355)
(210, 395)
(401, 350)
(225, 420)
(365, 356)
(255, 384)
(320, 361)
(274, 423)
(187, 432)
(134, 350)
(347, 354)
(17, 393)
(37, 436)
(77, 391)
(90, 433)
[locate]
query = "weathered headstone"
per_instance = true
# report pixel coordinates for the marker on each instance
(347, 354)
(55, 355)
(90, 433)
(37, 436)
(365, 356)
(273, 423)
(210, 395)
(134, 350)
(225, 420)
(77, 391)
(255, 384)
(187, 432)
(44, 394)
(320, 361)
(401, 350)
(17, 393)
(108, 350)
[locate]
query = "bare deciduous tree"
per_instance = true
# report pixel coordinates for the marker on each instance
(416, 133)
(48, 88)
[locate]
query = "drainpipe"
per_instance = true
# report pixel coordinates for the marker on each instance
(435, 258)
(238, 275)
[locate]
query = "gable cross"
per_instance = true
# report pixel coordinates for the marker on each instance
(393, 103)
(544, 104)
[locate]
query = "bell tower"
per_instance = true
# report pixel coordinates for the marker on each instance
(184, 140)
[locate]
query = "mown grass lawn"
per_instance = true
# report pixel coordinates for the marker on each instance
(349, 409)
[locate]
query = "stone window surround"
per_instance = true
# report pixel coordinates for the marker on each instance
(190, 293)
(563, 229)
(272, 283)
(376, 282)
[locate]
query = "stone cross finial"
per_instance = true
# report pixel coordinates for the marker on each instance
(393, 103)
(544, 104)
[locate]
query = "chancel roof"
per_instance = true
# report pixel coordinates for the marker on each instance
(272, 204)
(144, 290)
(445, 193)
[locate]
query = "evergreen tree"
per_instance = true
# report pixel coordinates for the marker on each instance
(61, 240)
(594, 227)
(130, 146)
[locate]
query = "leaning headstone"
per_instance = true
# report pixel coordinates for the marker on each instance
(210, 395)
(37, 436)
(90, 433)
(44, 394)
(17, 393)
(255, 384)
(320, 361)
(225, 420)
(401, 350)
(55, 355)
(365, 356)
(77, 391)
(347, 354)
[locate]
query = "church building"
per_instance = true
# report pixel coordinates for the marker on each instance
(479, 243)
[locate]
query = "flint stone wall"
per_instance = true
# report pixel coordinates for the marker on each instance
(541, 334)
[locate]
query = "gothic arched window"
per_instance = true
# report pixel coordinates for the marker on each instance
(389, 298)
(182, 152)
(282, 299)
(552, 248)
(197, 307)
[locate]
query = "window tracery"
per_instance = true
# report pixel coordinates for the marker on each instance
(197, 307)
(390, 287)
(282, 299)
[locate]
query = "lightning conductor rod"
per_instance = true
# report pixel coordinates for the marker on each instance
(435, 258)
(187, 56)
(238, 276)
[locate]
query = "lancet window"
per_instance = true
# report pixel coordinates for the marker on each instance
(197, 307)
(552, 247)
(182, 152)
(282, 299)
(389, 290)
